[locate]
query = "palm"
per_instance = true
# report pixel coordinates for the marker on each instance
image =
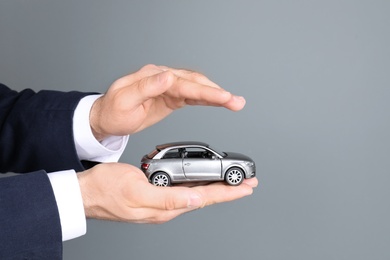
(149, 113)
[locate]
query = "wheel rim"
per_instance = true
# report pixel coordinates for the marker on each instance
(234, 176)
(161, 180)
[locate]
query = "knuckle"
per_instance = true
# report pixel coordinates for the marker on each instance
(170, 204)
(194, 75)
(141, 85)
(149, 67)
(170, 76)
(197, 75)
(119, 83)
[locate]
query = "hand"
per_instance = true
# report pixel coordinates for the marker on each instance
(145, 97)
(121, 192)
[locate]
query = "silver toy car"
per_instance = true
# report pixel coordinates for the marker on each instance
(195, 161)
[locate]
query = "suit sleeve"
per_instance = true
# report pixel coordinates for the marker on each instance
(36, 130)
(29, 225)
(35, 133)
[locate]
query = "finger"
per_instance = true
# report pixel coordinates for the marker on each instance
(197, 94)
(219, 192)
(161, 204)
(148, 87)
(151, 82)
(168, 198)
(253, 182)
(193, 183)
(157, 216)
(192, 75)
(188, 89)
(144, 72)
(236, 103)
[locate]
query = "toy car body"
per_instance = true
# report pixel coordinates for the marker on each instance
(180, 162)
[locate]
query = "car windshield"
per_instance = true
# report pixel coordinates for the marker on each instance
(223, 154)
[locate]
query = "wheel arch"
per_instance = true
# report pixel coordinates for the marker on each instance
(234, 166)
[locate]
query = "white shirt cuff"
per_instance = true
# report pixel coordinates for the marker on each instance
(70, 203)
(87, 147)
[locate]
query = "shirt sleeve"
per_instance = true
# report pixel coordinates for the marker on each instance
(70, 203)
(87, 147)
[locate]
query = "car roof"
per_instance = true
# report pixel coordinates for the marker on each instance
(182, 143)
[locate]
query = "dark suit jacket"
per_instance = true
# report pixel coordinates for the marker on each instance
(35, 133)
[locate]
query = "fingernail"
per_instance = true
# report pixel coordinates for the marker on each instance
(239, 99)
(194, 201)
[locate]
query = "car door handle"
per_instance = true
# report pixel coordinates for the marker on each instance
(187, 164)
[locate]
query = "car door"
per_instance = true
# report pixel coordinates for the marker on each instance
(201, 164)
(172, 164)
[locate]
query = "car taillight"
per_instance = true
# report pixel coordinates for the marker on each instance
(145, 166)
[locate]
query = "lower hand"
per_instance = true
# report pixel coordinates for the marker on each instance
(121, 192)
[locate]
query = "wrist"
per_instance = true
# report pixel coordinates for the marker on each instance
(94, 120)
(85, 194)
(92, 192)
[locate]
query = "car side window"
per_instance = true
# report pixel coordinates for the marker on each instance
(172, 154)
(197, 153)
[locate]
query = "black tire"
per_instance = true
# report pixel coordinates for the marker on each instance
(234, 176)
(161, 179)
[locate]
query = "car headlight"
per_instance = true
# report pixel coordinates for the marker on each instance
(250, 164)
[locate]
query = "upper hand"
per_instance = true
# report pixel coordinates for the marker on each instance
(145, 97)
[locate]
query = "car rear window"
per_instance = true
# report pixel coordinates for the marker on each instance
(153, 153)
(172, 154)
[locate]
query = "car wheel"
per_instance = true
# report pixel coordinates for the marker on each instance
(234, 176)
(161, 179)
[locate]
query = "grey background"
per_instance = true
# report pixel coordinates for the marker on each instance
(316, 78)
